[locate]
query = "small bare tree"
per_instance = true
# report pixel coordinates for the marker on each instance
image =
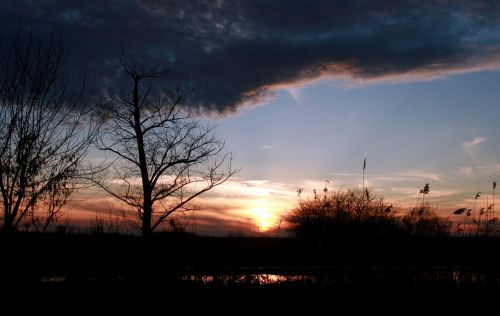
(165, 158)
(44, 134)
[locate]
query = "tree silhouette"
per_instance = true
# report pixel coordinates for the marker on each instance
(165, 158)
(44, 134)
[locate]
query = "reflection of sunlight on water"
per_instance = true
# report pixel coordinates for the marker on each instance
(258, 279)
(205, 279)
(352, 276)
(53, 279)
(271, 278)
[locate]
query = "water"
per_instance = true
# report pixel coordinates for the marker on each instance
(341, 277)
(351, 276)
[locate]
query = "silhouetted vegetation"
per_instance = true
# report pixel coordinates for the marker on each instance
(424, 221)
(346, 213)
(354, 213)
(44, 134)
(482, 223)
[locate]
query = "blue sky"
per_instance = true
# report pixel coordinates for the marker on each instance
(444, 131)
(333, 126)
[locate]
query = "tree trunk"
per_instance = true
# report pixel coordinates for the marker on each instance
(8, 223)
(8, 220)
(146, 185)
(146, 220)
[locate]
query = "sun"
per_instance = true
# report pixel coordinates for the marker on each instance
(263, 218)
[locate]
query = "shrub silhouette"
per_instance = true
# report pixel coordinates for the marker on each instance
(424, 221)
(354, 213)
(351, 212)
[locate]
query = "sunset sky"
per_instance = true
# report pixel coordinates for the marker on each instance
(303, 91)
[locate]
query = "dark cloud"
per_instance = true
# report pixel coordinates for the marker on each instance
(234, 52)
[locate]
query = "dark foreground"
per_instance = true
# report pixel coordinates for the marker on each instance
(219, 272)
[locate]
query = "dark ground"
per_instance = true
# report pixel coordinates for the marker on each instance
(367, 273)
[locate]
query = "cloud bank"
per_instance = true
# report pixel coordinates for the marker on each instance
(235, 53)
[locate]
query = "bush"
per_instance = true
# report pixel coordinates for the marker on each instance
(425, 222)
(356, 214)
(351, 213)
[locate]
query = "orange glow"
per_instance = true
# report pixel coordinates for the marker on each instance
(263, 218)
(242, 206)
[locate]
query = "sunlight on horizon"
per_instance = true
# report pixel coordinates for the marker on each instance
(263, 218)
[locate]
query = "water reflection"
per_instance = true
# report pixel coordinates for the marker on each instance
(350, 277)
(354, 277)
(53, 279)
(256, 279)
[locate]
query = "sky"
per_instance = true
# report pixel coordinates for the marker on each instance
(303, 92)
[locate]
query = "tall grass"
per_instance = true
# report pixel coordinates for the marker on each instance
(340, 213)
(474, 220)
(484, 223)
(354, 213)
(423, 219)
(494, 187)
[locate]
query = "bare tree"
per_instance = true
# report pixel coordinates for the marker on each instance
(165, 158)
(44, 134)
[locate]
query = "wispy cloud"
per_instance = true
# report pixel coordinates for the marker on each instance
(343, 174)
(411, 192)
(294, 91)
(267, 147)
(398, 176)
(471, 147)
(420, 174)
(465, 171)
